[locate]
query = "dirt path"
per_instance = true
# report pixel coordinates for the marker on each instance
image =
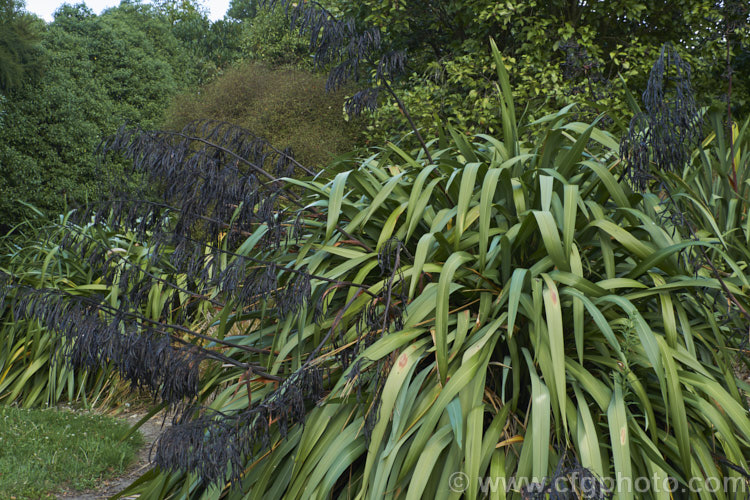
(150, 431)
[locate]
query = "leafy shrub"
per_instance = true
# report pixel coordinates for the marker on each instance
(508, 311)
(242, 9)
(289, 107)
(561, 53)
(709, 193)
(19, 45)
(210, 46)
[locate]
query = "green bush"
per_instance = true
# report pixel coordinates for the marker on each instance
(561, 52)
(286, 106)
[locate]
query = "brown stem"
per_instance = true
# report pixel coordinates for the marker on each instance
(406, 113)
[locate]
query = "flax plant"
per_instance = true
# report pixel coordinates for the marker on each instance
(499, 309)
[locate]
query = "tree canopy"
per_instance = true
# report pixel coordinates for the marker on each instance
(20, 37)
(99, 71)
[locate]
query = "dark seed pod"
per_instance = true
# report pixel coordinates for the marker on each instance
(670, 125)
(217, 445)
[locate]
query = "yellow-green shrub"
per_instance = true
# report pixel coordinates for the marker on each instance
(288, 107)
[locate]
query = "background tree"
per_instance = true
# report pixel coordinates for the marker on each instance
(242, 9)
(100, 71)
(212, 45)
(288, 106)
(20, 37)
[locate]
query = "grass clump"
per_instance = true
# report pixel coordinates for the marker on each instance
(42, 451)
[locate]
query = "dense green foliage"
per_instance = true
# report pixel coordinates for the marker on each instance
(561, 51)
(45, 450)
(712, 190)
(99, 71)
(19, 45)
(500, 305)
(242, 9)
(210, 45)
(31, 374)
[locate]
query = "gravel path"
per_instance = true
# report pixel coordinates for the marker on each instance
(150, 431)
